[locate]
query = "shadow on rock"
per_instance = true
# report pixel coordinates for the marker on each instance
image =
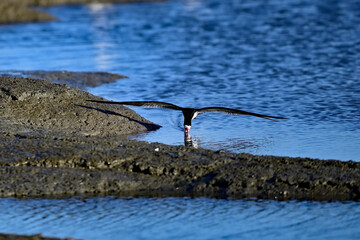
(149, 127)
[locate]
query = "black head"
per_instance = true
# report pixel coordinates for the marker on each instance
(188, 115)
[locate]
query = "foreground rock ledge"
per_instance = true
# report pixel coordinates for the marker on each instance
(55, 144)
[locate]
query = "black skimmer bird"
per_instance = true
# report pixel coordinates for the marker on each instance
(189, 113)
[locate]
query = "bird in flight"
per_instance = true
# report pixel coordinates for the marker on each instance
(189, 113)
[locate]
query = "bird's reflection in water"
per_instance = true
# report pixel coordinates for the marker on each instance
(250, 145)
(189, 142)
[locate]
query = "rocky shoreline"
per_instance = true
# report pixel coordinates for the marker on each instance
(56, 144)
(80, 80)
(22, 11)
(4, 236)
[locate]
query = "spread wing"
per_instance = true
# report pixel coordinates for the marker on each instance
(236, 112)
(150, 104)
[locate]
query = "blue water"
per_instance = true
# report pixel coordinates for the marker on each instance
(181, 218)
(298, 59)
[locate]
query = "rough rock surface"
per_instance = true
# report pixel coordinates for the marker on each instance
(39, 106)
(55, 143)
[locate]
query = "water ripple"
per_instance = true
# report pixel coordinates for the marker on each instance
(178, 218)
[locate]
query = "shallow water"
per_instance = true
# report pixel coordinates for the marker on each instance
(298, 59)
(180, 218)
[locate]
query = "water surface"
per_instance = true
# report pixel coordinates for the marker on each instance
(297, 59)
(180, 218)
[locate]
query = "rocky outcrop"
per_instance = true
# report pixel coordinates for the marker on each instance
(55, 143)
(19, 11)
